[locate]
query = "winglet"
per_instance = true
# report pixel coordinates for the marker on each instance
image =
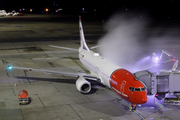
(82, 39)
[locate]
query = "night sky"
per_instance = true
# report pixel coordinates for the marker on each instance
(160, 8)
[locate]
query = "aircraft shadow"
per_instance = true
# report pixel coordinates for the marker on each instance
(69, 81)
(95, 85)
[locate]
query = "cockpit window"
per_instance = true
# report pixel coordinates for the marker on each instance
(142, 89)
(136, 89)
(130, 88)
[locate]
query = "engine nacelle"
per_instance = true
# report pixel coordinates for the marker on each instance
(83, 85)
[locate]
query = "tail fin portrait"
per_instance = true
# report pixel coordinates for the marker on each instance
(82, 39)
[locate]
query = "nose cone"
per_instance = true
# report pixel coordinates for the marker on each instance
(140, 98)
(144, 100)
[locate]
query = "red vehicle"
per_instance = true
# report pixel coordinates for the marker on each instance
(23, 97)
(21, 14)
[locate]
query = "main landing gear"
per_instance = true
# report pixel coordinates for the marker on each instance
(133, 106)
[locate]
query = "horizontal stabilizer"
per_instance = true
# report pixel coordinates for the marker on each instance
(97, 46)
(66, 48)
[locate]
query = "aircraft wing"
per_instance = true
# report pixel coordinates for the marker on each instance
(73, 74)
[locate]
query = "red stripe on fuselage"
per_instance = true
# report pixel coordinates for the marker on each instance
(124, 79)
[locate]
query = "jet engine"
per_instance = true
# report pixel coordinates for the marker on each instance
(83, 85)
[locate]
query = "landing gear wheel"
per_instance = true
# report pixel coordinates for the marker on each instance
(133, 106)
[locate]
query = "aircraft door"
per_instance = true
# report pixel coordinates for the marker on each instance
(122, 86)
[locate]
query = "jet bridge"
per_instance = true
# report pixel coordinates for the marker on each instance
(160, 83)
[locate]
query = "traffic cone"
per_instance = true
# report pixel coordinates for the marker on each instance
(15, 85)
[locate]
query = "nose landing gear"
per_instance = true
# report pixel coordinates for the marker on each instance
(133, 106)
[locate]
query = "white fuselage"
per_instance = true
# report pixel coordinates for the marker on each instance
(98, 66)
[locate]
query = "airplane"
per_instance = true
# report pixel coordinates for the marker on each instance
(103, 71)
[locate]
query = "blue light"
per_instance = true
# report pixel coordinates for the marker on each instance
(9, 67)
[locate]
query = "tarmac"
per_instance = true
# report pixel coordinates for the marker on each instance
(25, 42)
